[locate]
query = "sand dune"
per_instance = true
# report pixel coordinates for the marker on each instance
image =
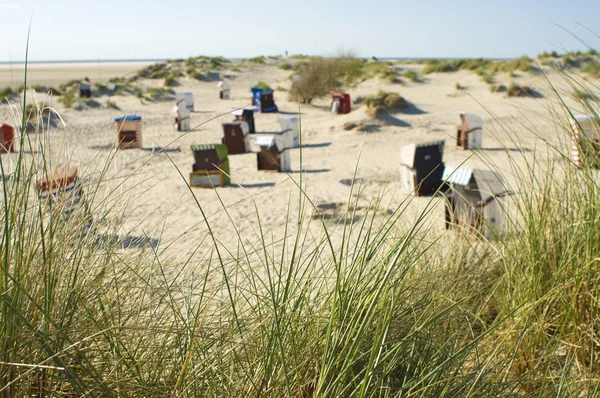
(158, 198)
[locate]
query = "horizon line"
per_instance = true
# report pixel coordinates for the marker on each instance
(123, 60)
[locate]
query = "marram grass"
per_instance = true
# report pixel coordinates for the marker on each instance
(389, 310)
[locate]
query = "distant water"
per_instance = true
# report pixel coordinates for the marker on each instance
(108, 61)
(83, 61)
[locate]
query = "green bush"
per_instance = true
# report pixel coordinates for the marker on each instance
(487, 78)
(318, 76)
(262, 85)
(111, 104)
(458, 86)
(435, 66)
(551, 54)
(514, 90)
(382, 70)
(158, 94)
(497, 88)
(383, 102)
(68, 99)
(411, 75)
(591, 68)
(154, 71)
(7, 92)
(257, 60)
(285, 66)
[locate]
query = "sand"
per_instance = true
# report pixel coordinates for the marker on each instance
(150, 197)
(52, 75)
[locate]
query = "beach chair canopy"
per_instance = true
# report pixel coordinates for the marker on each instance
(472, 121)
(267, 141)
(413, 155)
(220, 149)
(128, 118)
(586, 124)
(486, 184)
(61, 178)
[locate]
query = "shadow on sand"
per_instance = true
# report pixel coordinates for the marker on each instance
(127, 242)
(257, 185)
(505, 149)
(310, 171)
(317, 145)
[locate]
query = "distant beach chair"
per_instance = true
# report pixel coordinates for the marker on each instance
(585, 146)
(271, 157)
(235, 137)
(85, 90)
(245, 115)
(211, 166)
(7, 135)
(263, 100)
(129, 131)
(475, 200)
(225, 90)
(188, 97)
(290, 130)
(182, 117)
(422, 167)
(469, 133)
(340, 103)
(63, 190)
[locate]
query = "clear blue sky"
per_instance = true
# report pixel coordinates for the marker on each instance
(126, 29)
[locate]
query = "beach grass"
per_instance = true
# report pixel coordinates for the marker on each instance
(411, 75)
(392, 309)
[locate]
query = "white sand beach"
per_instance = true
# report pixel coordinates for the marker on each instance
(154, 185)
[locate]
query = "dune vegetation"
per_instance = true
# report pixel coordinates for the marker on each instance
(391, 310)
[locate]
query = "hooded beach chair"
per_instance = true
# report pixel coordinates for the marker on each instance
(470, 132)
(475, 200)
(129, 131)
(422, 167)
(211, 166)
(235, 137)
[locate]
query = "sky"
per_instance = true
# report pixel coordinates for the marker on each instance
(152, 29)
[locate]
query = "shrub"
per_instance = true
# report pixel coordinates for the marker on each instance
(319, 76)
(7, 92)
(382, 70)
(285, 66)
(411, 75)
(111, 104)
(388, 100)
(349, 126)
(551, 54)
(514, 90)
(170, 81)
(128, 89)
(570, 61)
(497, 88)
(383, 102)
(583, 95)
(68, 99)
(154, 71)
(262, 85)
(158, 94)
(257, 60)
(435, 66)
(487, 78)
(591, 68)
(376, 111)
(458, 86)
